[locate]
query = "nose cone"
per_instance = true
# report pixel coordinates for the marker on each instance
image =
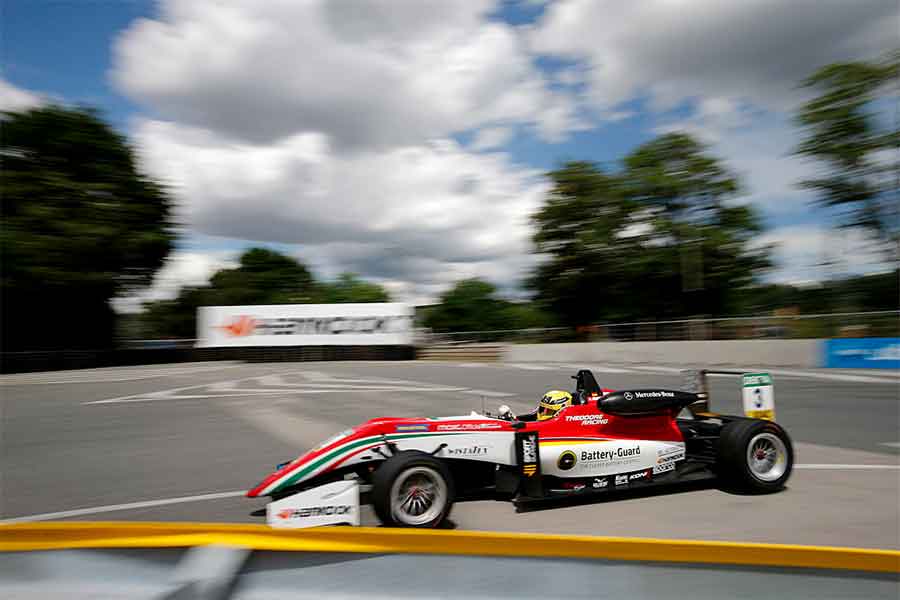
(265, 487)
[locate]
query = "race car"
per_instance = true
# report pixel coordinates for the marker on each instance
(413, 469)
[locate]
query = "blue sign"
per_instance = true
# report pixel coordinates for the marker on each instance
(862, 353)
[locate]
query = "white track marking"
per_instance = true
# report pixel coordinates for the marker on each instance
(830, 376)
(891, 444)
(793, 374)
(592, 368)
(488, 393)
(657, 369)
(78, 512)
(322, 383)
(111, 377)
(289, 433)
(238, 393)
(530, 367)
(165, 394)
(848, 467)
(273, 380)
(315, 375)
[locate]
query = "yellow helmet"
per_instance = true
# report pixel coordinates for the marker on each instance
(553, 402)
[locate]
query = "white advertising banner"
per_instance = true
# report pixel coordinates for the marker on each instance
(374, 323)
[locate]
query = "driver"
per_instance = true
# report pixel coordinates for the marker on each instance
(553, 402)
(549, 406)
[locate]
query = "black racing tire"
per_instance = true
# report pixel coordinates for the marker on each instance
(754, 456)
(421, 472)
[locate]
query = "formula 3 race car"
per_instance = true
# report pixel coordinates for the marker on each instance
(412, 469)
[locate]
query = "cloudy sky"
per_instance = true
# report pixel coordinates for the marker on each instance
(406, 140)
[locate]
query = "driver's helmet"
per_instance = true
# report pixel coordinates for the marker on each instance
(553, 402)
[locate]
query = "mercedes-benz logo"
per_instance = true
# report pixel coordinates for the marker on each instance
(629, 396)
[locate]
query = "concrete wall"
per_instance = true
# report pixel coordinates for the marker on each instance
(782, 353)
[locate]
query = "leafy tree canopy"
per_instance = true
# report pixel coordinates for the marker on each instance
(80, 225)
(350, 288)
(262, 276)
(473, 305)
(658, 238)
(845, 129)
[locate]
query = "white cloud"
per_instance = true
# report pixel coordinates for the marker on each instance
(366, 74)
(325, 124)
(758, 148)
(425, 214)
(808, 253)
(16, 99)
(181, 269)
(677, 50)
(491, 137)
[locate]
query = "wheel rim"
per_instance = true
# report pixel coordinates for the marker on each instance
(767, 457)
(418, 496)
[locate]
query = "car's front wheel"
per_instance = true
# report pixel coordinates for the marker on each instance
(755, 455)
(412, 489)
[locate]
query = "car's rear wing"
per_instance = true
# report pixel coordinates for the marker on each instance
(757, 392)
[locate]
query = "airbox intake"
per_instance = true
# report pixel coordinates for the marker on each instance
(644, 402)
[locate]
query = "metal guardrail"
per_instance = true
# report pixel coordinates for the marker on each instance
(884, 323)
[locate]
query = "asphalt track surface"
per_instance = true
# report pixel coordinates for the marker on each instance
(181, 442)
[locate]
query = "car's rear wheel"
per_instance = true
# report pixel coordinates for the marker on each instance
(412, 489)
(755, 455)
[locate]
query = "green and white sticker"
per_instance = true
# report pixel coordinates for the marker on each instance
(759, 396)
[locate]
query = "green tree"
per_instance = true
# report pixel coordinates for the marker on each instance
(262, 277)
(81, 225)
(471, 305)
(584, 274)
(350, 288)
(657, 239)
(845, 129)
(173, 319)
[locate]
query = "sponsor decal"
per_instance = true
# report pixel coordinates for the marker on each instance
(600, 483)
(566, 460)
(629, 396)
(663, 468)
(313, 511)
(670, 459)
(468, 426)
(639, 475)
(621, 479)
(759, 399)
(670, 454)
(529, 449)
(528, 457)
(610, 455)
(244, 325)
(660, 394)
(756, 379)
(239, 326)
(468, 451)
(574, 486)
(411, 428)
(589, 419)
(669, 450)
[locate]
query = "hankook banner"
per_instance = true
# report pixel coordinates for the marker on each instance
(373, 323)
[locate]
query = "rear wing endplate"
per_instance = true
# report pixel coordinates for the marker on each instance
(757, 393)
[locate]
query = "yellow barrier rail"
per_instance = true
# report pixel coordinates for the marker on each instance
(69, 535)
